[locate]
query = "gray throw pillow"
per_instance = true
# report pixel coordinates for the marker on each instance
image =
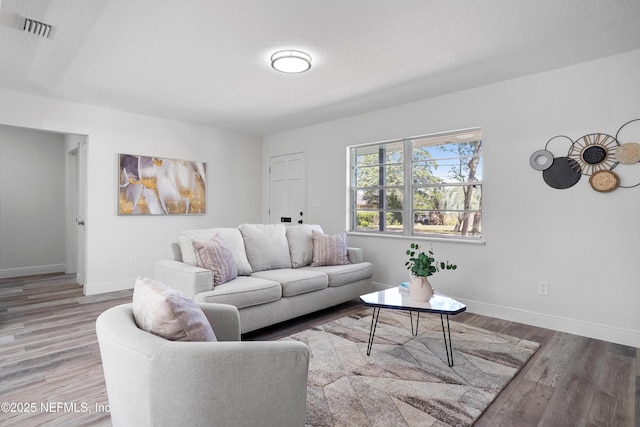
(301, 244)
(266, 245)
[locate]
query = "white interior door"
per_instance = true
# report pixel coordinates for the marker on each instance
(288, 188)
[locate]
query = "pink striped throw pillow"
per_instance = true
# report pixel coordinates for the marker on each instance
(214, 255)
(329, 250)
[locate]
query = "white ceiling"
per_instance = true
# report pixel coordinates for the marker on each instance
(207, 61)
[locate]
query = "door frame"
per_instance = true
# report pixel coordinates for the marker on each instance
(76, 210)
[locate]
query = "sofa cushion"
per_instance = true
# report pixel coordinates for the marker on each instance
(329, 250)
(340, 275)
(243, 291)
(168, 313)
(295, 281)
(266, 245)
(213, 255)
(232, 238)
(301, 244)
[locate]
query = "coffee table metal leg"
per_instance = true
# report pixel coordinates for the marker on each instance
(414, 331)
(372, 331)
(447, 343)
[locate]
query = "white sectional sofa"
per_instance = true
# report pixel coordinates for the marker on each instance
(281, 271)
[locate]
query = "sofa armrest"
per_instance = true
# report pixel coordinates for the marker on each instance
(355, 255)
(224, 319)
(188, 279)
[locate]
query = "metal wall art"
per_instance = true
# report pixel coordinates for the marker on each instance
(157, 186)
(595, 155)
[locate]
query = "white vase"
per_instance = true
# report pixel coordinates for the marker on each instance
(420, 289)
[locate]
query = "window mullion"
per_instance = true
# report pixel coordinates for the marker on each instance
(407, 194)
(382, 180)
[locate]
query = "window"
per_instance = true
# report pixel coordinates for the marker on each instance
(425, 186)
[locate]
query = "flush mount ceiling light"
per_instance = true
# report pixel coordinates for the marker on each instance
(291, 61)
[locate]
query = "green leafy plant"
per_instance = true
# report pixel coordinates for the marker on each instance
(423, 263)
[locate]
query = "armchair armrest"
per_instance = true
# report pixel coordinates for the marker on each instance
(355, 255)
(188, 279)
(224, 319)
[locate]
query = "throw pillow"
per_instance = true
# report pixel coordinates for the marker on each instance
(232, 238)
(301, 244)
(267, 246)
(329, 250)
(213, 255)
(168, 313)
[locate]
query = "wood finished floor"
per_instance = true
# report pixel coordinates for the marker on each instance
(49, 356)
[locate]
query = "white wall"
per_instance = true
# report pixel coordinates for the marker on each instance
(583, 242)
(32, 202)
(233, 194)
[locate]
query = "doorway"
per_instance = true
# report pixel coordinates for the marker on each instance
(76, 206)
(39, 195)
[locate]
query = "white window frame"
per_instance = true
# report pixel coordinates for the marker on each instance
(408, 187)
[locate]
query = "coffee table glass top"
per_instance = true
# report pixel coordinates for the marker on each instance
(396, 299)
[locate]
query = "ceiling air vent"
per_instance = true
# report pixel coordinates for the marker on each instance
(36, 27)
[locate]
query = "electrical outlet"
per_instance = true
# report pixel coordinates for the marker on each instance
(132, 260)
(543, 287)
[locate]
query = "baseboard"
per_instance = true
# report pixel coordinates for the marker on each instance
(598, 331)
(100, 288)
(8, 273)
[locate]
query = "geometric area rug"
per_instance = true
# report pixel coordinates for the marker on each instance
(406, 381)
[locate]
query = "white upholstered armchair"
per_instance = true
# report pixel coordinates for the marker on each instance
(152, 381)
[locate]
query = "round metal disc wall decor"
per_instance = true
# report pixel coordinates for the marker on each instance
(541, 160)
(557, 172)
(563, 173)
(595, 155)
(594, 152)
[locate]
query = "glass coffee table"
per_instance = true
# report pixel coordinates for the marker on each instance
(395, 299)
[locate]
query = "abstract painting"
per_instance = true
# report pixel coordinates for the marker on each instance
(158, 186)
